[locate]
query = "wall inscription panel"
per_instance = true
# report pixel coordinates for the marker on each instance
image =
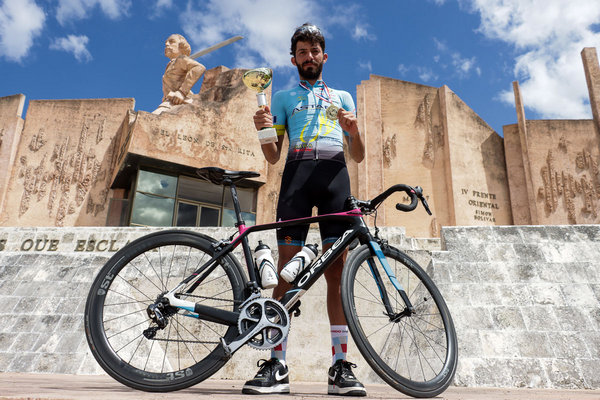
(62, 173)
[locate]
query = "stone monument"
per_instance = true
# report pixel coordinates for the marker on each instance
(181, 74)
(421, 135)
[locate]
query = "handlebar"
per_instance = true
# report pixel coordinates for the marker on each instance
(415, 194)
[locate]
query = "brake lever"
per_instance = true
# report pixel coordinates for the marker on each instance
(419, 193)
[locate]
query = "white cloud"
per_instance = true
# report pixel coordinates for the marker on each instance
(403, 69)
(73, 44)
(69, 10)
(365, 65)
(463, 66)
(548, 36)
(426, 74)
(263, 24)
(266, 26)
(21, 21)
(361, 32)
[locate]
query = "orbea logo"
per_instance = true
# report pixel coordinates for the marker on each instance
(322, 259)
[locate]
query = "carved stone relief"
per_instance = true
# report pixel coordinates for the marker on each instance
(389, 151)
(37, 141)
(67, 174)
(424, 122)
(434, 228)
(557, 184)
(1, 136)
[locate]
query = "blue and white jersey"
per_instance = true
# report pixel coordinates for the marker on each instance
(301, 112)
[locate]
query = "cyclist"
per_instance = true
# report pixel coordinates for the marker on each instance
(315, 174)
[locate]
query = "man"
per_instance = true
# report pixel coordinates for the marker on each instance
(315, 174)
(181, 74)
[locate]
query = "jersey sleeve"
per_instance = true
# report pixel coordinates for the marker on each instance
(279, 114)
(347, 103)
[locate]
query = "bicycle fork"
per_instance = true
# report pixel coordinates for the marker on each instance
(409, 310)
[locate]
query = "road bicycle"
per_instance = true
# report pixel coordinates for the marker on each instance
(169, 309)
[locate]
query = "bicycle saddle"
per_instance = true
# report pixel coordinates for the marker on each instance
(218, 175)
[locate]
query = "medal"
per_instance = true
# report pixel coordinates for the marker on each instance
(331, 112)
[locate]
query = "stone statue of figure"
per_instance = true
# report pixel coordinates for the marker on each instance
(181, 74)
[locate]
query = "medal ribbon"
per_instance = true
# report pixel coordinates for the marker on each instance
(326, 90)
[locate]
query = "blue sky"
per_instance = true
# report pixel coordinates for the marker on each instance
(61, 49)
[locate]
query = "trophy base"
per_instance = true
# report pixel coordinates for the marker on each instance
(267, 135)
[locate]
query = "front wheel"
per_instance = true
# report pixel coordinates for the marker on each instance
(132, 347)
(414, 353)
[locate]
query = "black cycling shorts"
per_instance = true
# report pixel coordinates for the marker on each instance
(305, 184)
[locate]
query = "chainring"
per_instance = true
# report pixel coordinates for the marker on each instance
(271, 315)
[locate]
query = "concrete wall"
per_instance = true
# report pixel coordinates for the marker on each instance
(524, 301)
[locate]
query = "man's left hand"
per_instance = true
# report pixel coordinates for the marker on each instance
(348, 121)
(176, 98)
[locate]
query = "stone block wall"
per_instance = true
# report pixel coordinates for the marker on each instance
(525, 302)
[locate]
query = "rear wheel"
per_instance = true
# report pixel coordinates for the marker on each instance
(416, 354)
(133, 348)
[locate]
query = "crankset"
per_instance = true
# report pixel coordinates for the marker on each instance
(263, 324)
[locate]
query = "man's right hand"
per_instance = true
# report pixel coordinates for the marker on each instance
(263, 118)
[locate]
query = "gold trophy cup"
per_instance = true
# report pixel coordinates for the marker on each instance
(259, 79)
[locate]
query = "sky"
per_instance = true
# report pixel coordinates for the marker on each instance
(75, 49)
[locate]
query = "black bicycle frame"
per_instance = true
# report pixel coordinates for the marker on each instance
(356, 229)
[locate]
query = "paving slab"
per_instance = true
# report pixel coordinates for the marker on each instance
(23, 386)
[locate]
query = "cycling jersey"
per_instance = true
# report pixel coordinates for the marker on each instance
(301, 112)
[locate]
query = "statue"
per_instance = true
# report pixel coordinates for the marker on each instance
(181, 74)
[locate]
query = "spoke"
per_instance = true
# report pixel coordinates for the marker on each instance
(135, 287)
(193, 336)
(184, 342)
(136, 348)
(166, 349)
(153, 268)
(124, 303)
(160, 265)
(126, 329)
(428, 339)
(126, 315)
(140, 336)
(148, 358)
(138, 269)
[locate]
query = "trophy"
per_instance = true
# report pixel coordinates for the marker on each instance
(258, 80)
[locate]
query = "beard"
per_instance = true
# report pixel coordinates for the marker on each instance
(310, 74)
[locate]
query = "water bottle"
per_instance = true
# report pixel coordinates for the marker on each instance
(266, 266)
(301, 260)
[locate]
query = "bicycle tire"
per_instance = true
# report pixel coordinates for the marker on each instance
(187, 351)
(417, 355)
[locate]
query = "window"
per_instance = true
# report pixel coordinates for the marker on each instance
(154, 199)
(166, 200)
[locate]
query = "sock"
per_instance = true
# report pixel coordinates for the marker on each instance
(339, 342)
(279, 351)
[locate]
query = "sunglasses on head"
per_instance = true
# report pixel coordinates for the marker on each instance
(307, 28)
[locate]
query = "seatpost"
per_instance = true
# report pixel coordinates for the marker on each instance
(236, 202)
(240, 224)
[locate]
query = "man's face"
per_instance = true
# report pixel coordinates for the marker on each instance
(172, 47)
(309, 60)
